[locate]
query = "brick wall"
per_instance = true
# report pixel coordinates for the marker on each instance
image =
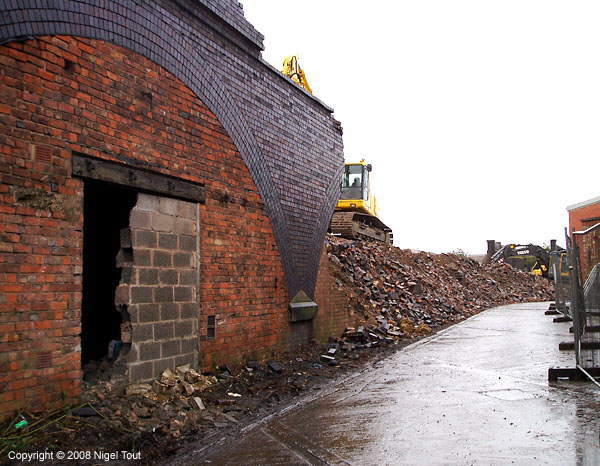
(61, 95)
(589, 252)
(176, 87)
(160, 291)
(334, 314)
(231, 11)
(584, 217)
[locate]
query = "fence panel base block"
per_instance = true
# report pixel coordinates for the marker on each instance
(562, 319)
(585, 345)
(571, 373)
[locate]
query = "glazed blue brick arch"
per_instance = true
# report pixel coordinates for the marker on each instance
(289, 139)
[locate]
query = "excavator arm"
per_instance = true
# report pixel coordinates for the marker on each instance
(522, 251)
(292, 70)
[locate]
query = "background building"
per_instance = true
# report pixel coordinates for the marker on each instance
(583, 216)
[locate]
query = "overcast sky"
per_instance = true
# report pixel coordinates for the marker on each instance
(481, 118)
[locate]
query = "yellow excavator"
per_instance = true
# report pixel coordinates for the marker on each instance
(355, 215)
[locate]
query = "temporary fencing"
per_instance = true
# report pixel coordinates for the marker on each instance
(583, 301)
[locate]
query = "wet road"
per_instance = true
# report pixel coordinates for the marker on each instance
(476, 393)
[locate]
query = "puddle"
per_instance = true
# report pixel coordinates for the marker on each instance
(508, 394)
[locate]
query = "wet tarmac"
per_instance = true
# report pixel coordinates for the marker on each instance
(476, 393)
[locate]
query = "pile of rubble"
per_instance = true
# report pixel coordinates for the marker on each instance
(184, 402)
(402, 294)
(181, 405)
(168, 405)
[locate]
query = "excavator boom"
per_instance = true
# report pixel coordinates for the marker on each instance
(291, 68)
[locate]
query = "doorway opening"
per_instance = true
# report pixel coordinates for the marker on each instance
(106, 212)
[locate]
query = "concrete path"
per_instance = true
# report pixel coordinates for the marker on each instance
(476, 393)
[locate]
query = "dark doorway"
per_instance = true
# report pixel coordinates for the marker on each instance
(106, 211)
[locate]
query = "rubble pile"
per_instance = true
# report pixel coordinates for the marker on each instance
(400, 294)
(181, 405)
(184, 403)
(167, 405)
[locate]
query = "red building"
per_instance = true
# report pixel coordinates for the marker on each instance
(583, 218)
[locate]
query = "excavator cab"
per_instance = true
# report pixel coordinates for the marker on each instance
(356, 211)
(355, 183)
(539, 269)
(356, 190)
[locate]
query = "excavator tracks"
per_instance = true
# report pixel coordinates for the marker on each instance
(356, 225)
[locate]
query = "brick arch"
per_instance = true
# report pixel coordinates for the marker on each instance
(158, 35)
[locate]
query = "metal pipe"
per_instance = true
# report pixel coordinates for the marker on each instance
(588, 375)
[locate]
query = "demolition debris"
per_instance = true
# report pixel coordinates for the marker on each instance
(398, 293)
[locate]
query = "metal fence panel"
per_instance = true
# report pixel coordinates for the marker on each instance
(559, 268)
(584, 303)
(590, 351)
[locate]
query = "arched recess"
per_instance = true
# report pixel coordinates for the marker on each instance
(155, 33)
(308, 281)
